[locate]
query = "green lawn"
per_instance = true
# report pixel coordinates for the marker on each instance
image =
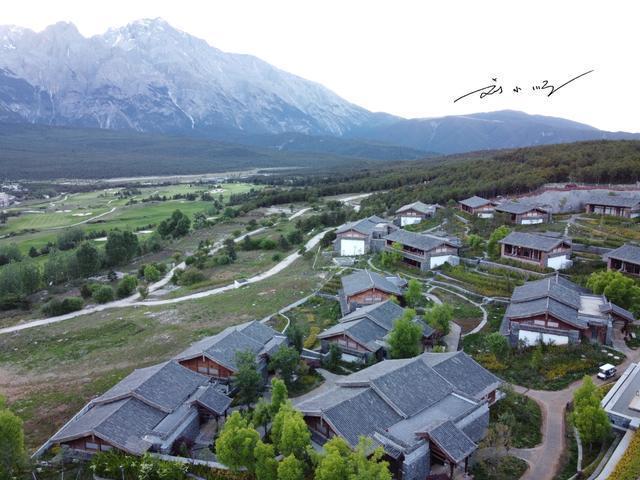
(314, 316)
(465, 314)
(526, 415)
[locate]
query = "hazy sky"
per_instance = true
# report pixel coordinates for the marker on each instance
(411, 58)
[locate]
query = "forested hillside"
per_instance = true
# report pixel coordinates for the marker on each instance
(486, 174)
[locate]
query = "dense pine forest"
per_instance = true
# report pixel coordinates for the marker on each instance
(453, 177)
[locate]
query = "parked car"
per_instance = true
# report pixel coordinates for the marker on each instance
(606, 371)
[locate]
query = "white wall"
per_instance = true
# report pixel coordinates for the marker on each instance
(533, 338)
(409, 221)
(441, 260)
(558, 263)
(531, 221)
(351, 247)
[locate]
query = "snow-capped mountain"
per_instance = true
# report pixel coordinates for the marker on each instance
(149, 76)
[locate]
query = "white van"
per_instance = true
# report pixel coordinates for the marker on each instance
(606, 371)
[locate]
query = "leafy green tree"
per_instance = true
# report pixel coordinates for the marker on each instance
(177, 225)
(290, 468)
(127, 286)
(621, 290)
(30, 277)
(332, 361)
(103, 294)
(230, 249)
(266, 463)
(493, 246)
(235, 447)
(393, 257)
(404, 339)
(335, 463)
(413, 295)
(121, 247)
(12, 450)
(475, 244)
(592, 423)
(261, 415)
(369, 466)
(151, 273)
(285, 362)
(340, 462)
(537, 357)
(143, 291)
(69, 238)
(439, 318)
(295, 336)
(89, 261)
(497, 344)
(247, 380)
(10, 253)
(295, 436)
(586, 394)
(33, 252)
(279, 395)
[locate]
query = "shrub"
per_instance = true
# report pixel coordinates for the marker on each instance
(267, 244)
(126, 286)
(11, 301)
(56, 307)
(151, 274)
(191, 276)
(103, 294)
(276, 257)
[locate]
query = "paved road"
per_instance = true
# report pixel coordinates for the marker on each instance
(132, 301)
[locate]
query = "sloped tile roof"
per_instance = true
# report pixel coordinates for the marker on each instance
(475, 202)
(214, 400)
(365, 226)
(518, 208)
(418, 207)
(465, 374)
(420, 240)
(544, 243)
(382, 313)
(362, 280)
(452, 441)
(626, 253)
(614, 200)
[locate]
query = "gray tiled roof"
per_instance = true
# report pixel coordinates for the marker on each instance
(418, 207)
(214, 400)
(365, 226)
(546, 305)
(627, 253)
(364, 280)
(555, 287)
(475, 202)
(518, 208)
(465, 374)
(398, 398)
(420, 240)
(363, 330)
(164, 386)
(383, 313)
(544, 243)
(223, 347)
(453, 441)
(614, 200)
(136, 406)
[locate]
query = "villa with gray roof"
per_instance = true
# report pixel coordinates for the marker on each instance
(365, 287)
(616, 205)
(622, 402)
(362, 236)
(625, 259)
(147, 411)
(479, 206)
(216, 356)
(414, 213)
(522, 213)
(433, 408)
(423, 251)
(362, 334)
(546, 250)
(556, 310)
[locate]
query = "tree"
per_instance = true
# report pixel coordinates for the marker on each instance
(340, 462)
(121, 247)
(621, 290)
(261, 415)
(295, 436)
(439, 318)
(285, 362)
(236, 444)
(493, 247)
(126, 286)
(279, 395)
(103, 294)
(143, 291)
(230, 249)
(497, 344)
(177, 225)
(151, 274)
(290, 469)
(391, 258)
(332, 361)
(475, 243)
(413, 295)
(10, 253)
(588, 416)
(247, 380)
(335, 463)
(295, 336)
(89, 261)
(404, 339)
(537, 357)
(266, 463)
(12, 451)
(33, 252)
(369, 466)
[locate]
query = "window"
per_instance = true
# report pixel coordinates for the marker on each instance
(553, 324)
(213, 371)
(105, 448)
(91, 445)
(202, 369)
(539, 322)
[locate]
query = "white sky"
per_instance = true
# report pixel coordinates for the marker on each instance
(410, 58)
